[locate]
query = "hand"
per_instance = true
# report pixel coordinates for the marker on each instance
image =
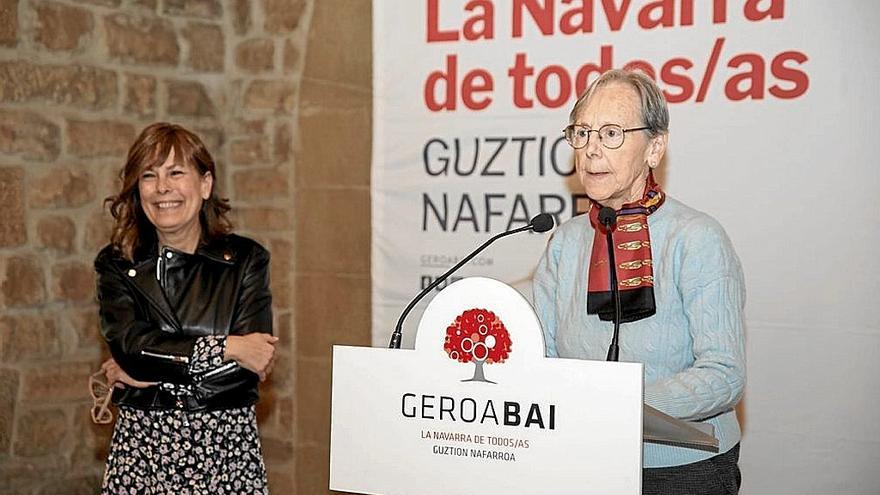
(116, 376)
(254, 351)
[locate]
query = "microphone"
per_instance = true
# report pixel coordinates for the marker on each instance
(540, 223)
(608, 217)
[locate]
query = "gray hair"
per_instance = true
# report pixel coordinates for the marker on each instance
(655, 113)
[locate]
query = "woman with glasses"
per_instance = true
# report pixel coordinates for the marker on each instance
(680, 283)
(186, 312)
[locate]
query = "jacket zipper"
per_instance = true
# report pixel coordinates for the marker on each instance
(160, 276)
(220, 369)
(170, 357)
(160, 268)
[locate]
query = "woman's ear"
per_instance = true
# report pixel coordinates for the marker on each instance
(656, 150)
(207, 185)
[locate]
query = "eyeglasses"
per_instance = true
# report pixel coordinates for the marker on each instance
(101, 393)
(611, 136)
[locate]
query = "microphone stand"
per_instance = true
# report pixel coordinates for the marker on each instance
(398, 330)
(614, 348)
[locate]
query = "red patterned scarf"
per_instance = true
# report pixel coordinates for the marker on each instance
(632, 250)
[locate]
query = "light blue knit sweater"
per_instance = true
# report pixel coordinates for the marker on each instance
(692, 348)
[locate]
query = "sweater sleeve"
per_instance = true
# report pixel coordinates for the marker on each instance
(544, 292)
(713, 297)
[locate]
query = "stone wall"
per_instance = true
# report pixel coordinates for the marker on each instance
(271, 86)
(332, 184)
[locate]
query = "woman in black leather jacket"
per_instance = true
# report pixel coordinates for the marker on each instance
(186, 311)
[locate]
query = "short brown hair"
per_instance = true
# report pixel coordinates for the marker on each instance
(132, 229)
(655, 112)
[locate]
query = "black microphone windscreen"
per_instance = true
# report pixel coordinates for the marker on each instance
(607, 216)
(542, 222)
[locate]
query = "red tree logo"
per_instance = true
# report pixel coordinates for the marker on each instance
(477, 335)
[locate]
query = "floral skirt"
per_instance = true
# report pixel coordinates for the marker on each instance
(172, 452)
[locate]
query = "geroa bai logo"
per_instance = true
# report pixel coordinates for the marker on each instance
(477, 336)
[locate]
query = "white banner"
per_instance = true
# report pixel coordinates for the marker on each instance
(773, 109)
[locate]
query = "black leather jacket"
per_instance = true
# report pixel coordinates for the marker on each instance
(221, 289)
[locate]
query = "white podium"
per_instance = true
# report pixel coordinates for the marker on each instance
(477, 408)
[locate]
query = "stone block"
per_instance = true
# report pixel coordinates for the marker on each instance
(252, 150)
(282, 255)
(208, 9)
(8, 401)
(313, 401)
(283, 329)
(63, 187)
(255, 55)
(248, 126)
(282, 377)
(312, 468)
(147, 4)
(241, 16)
(57, 233)
(23, 282)
(322, 160)
(282, 273)
(282, 290)
(72, 85)
(282, 479)
(277, 451)
(28, 337)
(39, 432)
(142, 40)
(266, 403)
(286, 410)
(189, 99)
(99, 138)
(213, 138)
(290, 57)
(322, 95)
(270, 96)
(206, 47)
(140, 95)
(334, 235)
(13, 230)
(283, 16)
(91, 443)
(98, 228)
(73, 281)
(260, 184)
(62, 27)
(105, 3)
(57, 383)
(107, 181)
(265, 219)
(85, 326)
(283, 142)
(28, 135)
(76, 485)
(320, 323)
(25, 475)
(8, 22)
(338, 34)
